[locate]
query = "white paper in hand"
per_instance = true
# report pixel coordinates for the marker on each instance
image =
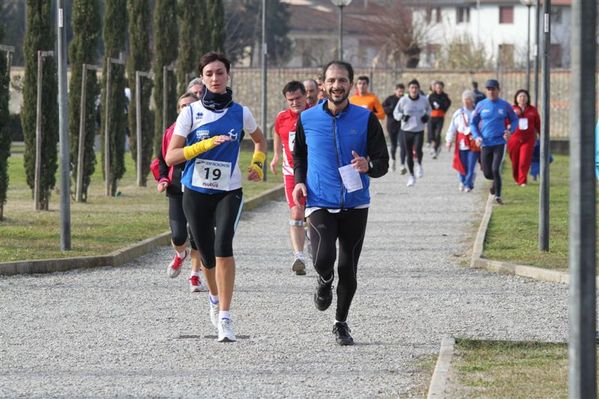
(351, 178)
(523, 123)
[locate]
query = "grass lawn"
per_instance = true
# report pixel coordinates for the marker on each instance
(99, 226)
(493, 369)
(513, 230)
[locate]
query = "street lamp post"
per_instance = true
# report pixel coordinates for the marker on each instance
(528, 4)
(340, 4)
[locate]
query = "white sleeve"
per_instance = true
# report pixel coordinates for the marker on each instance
(452, 128)
(184, 122)
(249, 123)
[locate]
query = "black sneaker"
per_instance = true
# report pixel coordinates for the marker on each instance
(341, 331)
(324, 294)
(499, 200)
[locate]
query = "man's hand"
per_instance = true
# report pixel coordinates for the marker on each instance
(507, 134)
(479, 141)
(274, 163)
(299, 193)
(359, 163)
(448, 146)
(424, 118)
(405, 118)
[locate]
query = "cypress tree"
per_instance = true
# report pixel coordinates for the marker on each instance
(216, 15)
(40, 36)
(165, 52)
(192, 43)
(4, 134)
(140, 60)
(115, 36)
(86, 25)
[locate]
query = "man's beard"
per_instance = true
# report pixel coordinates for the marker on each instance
(344, 97)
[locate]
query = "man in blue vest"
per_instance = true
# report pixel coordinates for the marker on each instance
(338, 147)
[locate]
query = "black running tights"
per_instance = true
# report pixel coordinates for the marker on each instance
(491, 158)
(347, 226)
(412, 142)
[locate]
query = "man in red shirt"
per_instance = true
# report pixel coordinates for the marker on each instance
(284, 139)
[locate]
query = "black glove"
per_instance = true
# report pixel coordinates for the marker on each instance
(424, 118)
(405, 118)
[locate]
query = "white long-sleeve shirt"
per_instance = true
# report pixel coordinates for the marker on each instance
(460, 122)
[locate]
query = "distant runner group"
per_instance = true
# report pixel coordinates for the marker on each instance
(329, 144)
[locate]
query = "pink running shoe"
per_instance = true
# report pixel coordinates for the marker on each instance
(174, 268)
(195, 285)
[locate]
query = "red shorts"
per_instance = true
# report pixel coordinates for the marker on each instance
(289, 185)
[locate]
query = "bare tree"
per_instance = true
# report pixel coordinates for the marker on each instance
(402, 37)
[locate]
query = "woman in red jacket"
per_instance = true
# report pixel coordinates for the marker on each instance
(521, 144)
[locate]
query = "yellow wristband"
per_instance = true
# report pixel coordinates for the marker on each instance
(258, 158)
(192, 151)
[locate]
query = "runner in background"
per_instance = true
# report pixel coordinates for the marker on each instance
(365, 99)
(413, 111)
(284, 140)
(488, 124)
(440, 103)
(169, 181)
(521, 144)
(311, 92)
(393, 128)
(466, 153)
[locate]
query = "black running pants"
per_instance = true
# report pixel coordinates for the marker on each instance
(413, 142)
(349, 227)
(491, 158)
(436, 129)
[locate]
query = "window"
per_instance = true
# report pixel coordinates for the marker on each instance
(433, 14)
(506, 14)
(462, 15)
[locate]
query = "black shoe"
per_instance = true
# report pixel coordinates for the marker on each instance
(324, 294)
(341, 331)
(499, 200)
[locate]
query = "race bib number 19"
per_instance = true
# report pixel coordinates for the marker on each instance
(213, 175)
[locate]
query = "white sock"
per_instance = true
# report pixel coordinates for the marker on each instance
(341, 322)
(181, 254)
(213, 299)
(224, 314)
(197, 274)
(299, 255)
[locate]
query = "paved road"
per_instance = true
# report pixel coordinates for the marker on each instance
(132, 332)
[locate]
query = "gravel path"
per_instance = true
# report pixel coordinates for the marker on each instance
(132, 332)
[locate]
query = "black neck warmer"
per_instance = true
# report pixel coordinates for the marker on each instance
(217, 101)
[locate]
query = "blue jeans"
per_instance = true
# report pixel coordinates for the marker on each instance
(469, 159)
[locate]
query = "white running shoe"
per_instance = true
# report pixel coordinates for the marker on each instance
(213, 313)
(225, 331)
(419, 171)
(174, 268)
(299, 266)
(411, 181)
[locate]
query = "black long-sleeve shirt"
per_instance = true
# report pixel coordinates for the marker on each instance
(376, 148)
(389, 105)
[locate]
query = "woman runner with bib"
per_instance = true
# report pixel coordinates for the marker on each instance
(208, 136)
